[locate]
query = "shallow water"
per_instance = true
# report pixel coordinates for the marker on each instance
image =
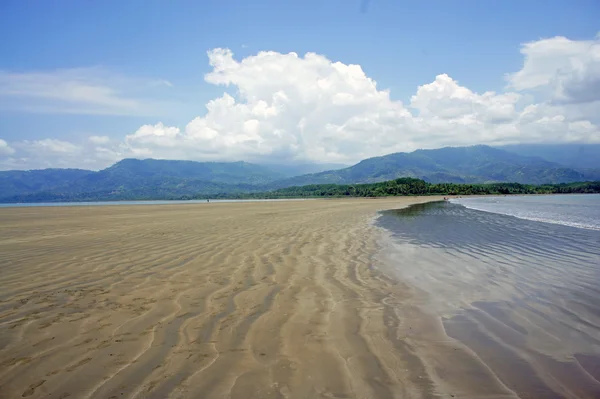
(523, 295)
(578, 210)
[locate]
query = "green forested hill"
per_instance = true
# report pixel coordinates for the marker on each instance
(163, 179)
(409, 186)
(133, 178)
(478, 164)
(25, 182)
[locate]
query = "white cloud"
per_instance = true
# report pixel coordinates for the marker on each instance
(5, 149)
(106, 155)
(446, 99)
(286, 107)
(312, 109)
(80, 91)
(53, 146)
(46, 153)
(567, 70)
(99, 139)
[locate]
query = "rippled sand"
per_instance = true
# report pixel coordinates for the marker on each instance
(240, 300)
(250, 300)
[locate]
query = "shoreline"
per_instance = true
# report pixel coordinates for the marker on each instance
(405, 186)
(194, 202)
(278, 199)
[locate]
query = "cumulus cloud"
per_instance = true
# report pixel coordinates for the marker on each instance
(567, 70)
(287, 107)
(5, 149)
(46, 153)
(446, 99)
(312, 109)
(53, 146)
(99, 139)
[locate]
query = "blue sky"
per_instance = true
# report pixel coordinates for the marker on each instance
(144, 63)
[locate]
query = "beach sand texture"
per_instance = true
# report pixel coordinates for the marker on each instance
(240, 300)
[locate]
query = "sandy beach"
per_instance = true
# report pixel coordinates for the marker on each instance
(240, 300)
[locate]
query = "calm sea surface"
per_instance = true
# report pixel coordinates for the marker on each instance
(514, 279)
(569, 210)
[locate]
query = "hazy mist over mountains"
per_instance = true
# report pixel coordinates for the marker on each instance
(150, 178)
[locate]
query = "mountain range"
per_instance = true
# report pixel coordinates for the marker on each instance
(477, 164)
(169, 179)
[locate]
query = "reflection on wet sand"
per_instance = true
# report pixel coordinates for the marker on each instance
(521, 296)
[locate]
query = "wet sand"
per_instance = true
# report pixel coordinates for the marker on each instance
(240, 300)
(521, 295)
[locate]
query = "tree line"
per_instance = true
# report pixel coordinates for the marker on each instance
(399, 187)
(412, 186)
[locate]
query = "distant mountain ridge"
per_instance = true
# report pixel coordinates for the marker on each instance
(571, 155)
(477, 164)
(216, 172)
(170, 179)
(148, 178)
(32, 181)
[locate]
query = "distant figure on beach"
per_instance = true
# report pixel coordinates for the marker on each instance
(207, 200)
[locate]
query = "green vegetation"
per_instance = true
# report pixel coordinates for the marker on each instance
(398, 187)
(447, 171)
(23, 182)
(410, 186)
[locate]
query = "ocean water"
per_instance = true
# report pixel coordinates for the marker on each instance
(521, 294)
(569, 210)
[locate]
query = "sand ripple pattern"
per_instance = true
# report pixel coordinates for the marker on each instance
(257, 300)
(220, 300)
